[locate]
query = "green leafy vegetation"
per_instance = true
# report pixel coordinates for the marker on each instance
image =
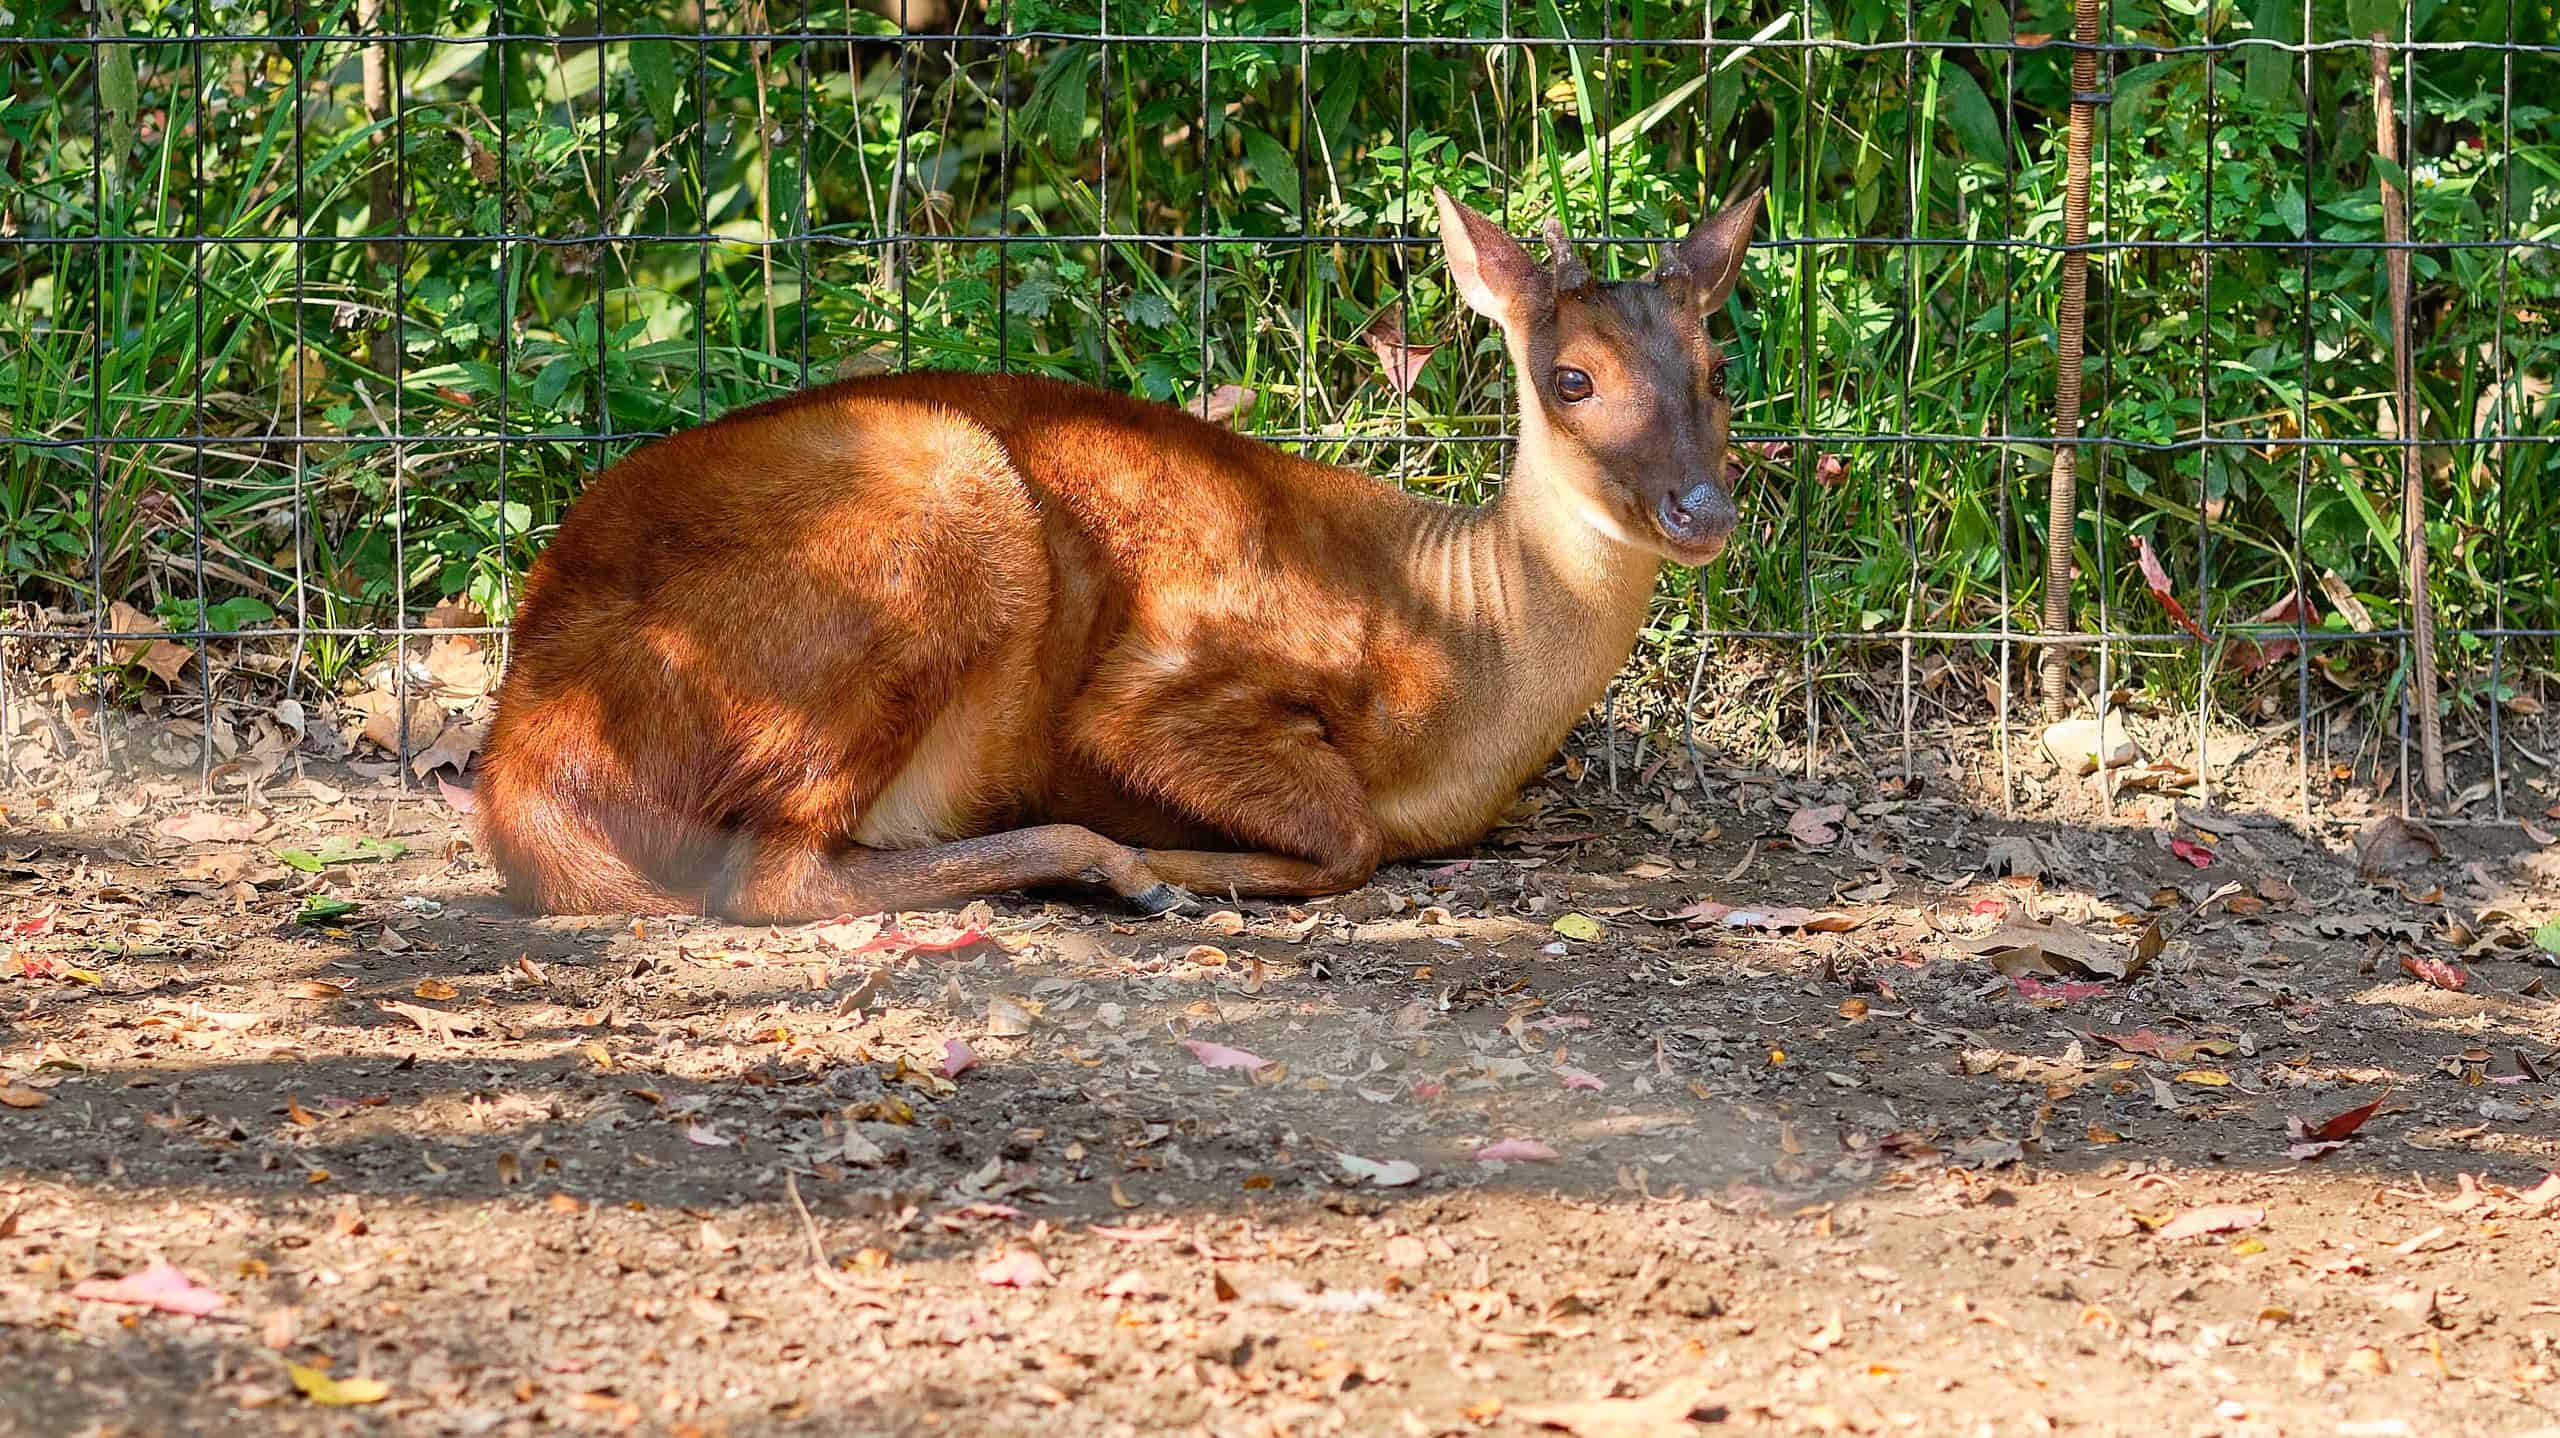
(632, 235)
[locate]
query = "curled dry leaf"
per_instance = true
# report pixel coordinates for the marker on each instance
(1399, 359)
(2157, 579)
(1223, 403)
(1015, 1268)
(1220, 1056)
(2251, 655)
(2333, 1131)
(2194, 853)
(161, 1287)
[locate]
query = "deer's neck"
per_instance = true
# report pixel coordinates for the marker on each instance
(1534, 609)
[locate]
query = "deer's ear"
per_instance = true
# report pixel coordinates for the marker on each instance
(1494, 274)
(1710, 260)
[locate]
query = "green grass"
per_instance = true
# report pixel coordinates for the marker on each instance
(462, 343)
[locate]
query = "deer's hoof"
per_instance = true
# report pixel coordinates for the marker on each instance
(1159, 899)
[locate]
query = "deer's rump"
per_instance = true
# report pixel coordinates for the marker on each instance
(814, 626)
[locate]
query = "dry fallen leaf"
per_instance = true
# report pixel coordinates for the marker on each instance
(2198, 1222)
(1663, 1412)
(19, 1096)
(2434, 971)
(1516, 1150)
(1016, 1268)
(203, 827)
(2390, 844)
(435, 989)
(319, 1387)
(2310, 1140)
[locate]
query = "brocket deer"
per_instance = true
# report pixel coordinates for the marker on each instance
(902, 640)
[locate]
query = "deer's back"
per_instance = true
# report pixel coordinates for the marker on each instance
(929, 569)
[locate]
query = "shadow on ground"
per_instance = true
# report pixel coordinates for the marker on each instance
(688, 1177)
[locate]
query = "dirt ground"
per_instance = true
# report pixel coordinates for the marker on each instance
(1742, 1106)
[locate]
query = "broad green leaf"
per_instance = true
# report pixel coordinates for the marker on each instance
(320, 909)
(1272, 165)
(653, 65)
(1969, 111)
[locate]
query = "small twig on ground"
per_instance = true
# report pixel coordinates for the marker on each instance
(817, 1248)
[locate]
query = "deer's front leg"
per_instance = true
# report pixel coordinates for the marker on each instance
(1234, 757)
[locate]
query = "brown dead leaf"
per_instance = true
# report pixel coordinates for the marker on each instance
(2391, 844)
(436, 989)
(1817, 828)
(19, 1096)
(1663, 1412)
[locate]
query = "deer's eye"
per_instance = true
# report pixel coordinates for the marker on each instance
(1573, 385)
(1715, 381)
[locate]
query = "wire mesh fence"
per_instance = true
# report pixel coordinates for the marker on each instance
(321, 312)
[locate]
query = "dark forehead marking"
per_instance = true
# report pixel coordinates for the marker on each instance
(1652, 322)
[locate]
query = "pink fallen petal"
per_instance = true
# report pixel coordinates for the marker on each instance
(1581, 1078)
(2193, 853)
(1219, 1056)
(159, 1286)
(1516, 1150)
(462, 797)
(2036, 990)
(957, 1058)
(1018, 1268)
(2198, 1222)
(1164, 1232)
(936, 941)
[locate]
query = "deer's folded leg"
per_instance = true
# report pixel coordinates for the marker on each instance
(1248, 766)
(780, 877)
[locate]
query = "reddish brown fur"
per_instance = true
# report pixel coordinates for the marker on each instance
(899, 640)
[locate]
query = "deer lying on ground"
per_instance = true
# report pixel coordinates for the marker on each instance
(904, 640)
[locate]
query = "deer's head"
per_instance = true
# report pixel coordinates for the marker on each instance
(1622, 393)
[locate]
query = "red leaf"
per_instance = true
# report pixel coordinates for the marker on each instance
(2434, 971)
(2193, 853)
(957, 1058)
(2249, 655)
(159, 1286)
(2336, 1126)
(2158, 579)
(35, 925)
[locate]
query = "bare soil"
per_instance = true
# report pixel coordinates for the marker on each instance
(1863, 1176)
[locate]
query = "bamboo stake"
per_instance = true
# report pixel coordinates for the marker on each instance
(2404, 399)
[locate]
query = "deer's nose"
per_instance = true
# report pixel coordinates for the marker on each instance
(1704, 511)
